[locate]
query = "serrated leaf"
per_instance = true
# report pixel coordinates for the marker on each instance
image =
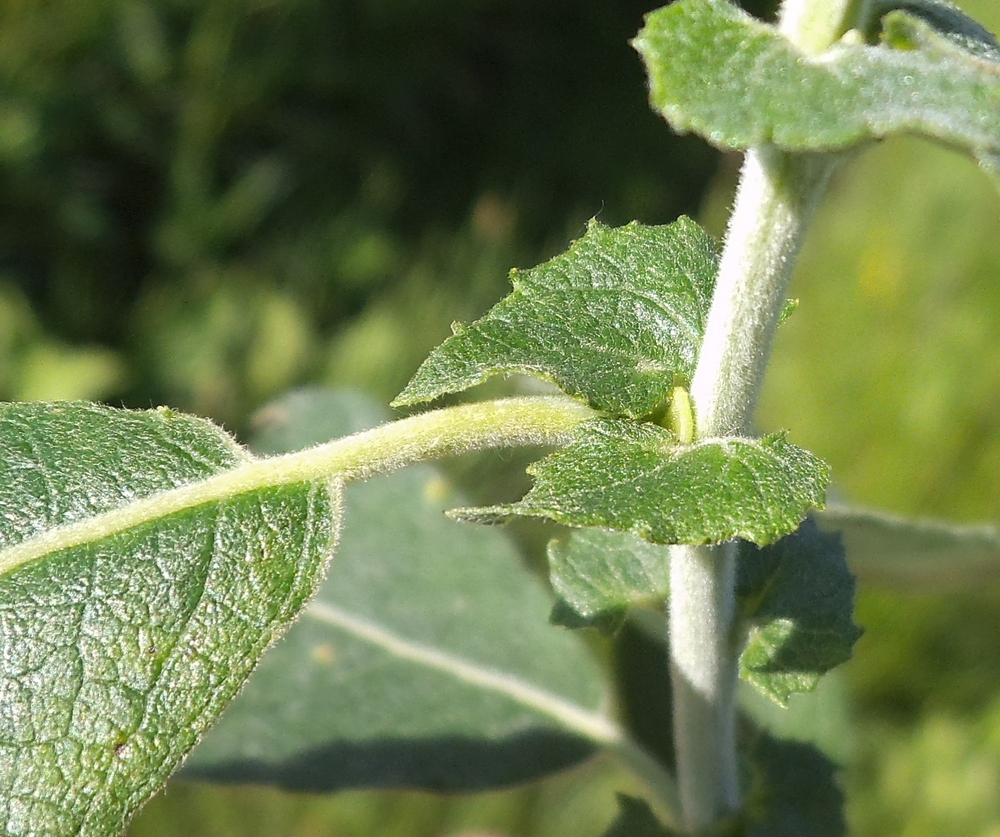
(598, 575)
(738, 82)
(634, 477)
(915, 553)
(424, 661)
(797, 599)
(123, 637)
(613, 321)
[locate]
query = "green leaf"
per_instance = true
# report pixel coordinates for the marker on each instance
(633, 477)
(915, 553)
(636, 819)
(792, 792)
(126, 634)
(717, 71)
(425, 660)
(614, 321)
(797, 599)
(598, 575)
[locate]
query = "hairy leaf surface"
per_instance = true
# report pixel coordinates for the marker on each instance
(797, 599)
(599, 574)
(613, 321)
(125, 634)
(634, 477)
(425, 660)
(738, 82)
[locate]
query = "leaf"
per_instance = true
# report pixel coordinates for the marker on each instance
(636, 819)
(797, 598)
(126, 634)
(717, 71)
(793, 791)
(598, 575)
(614, 321)
(634, 477)
(915, 553)
(425, 660)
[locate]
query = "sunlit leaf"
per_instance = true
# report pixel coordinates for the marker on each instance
(614, 320)
(635, 478)
(125, 630)
(426, 659)
(738, 82)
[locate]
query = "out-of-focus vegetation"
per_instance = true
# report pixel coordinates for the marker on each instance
(205, 203)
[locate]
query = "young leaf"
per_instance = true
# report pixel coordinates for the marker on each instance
(125, 630)
(797, 598)
(898, 551)
(633, 477)
(598, 574)
(613, 321)
(738, 82)
(425, 659)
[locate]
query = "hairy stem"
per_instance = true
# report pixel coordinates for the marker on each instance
(492, 424)
(774, 203)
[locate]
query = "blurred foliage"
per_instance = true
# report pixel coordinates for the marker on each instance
(233, 196)
(205, 203)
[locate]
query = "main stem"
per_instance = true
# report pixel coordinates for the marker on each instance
(775, 199)
(774, 203)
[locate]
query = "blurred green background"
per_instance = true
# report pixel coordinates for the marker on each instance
(204, 203)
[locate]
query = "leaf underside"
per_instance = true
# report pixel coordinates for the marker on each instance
(632, 477)
(739, 83)
(614, 321)
(420, 660)
(118, 653)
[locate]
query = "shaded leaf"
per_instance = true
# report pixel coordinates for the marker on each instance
(613, 320)
(797, 598)
(635, 478)
(738, 82)
(598, 575)
(123, 637)
(793, 791)
(636, 819)
(913, 552)
(424, 661)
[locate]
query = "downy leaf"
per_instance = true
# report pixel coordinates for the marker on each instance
(125, 629)
(796, 597)
(738, 82)
(633, 477)
(598, 575)
(915, 553)
(614, 320)
(424, 661)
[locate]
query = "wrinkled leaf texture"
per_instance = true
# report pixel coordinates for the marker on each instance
(118, 652)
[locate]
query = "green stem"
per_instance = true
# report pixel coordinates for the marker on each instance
(774, 204)
(454, 430)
